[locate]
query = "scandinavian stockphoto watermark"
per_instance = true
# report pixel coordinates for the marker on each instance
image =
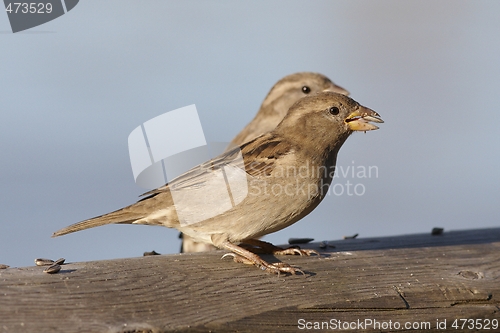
(335, 180)
(377, 325)
(24, 15)
(167, 146)
(362, 324)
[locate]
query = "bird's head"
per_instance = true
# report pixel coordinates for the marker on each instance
(325, 120)
(293, 87)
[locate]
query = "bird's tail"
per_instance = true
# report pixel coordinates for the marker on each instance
(124, 215)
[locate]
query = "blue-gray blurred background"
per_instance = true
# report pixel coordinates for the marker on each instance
(73, 89)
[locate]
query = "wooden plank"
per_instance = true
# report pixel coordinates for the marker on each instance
(414, 278)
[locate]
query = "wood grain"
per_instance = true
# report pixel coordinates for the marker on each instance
(414, 278)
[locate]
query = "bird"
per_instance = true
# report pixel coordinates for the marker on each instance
(275, 179)
(279, 99)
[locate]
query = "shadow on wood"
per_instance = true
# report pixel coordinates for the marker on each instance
(420, 280)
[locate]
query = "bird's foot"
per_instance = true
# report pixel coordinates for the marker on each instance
(265, 247)
(275, 268)
(295, 250)
(238, 258)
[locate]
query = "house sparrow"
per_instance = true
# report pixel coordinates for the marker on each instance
(275, 180)
(280, 98)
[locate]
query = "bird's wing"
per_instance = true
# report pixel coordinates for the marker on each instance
(262, 154)
(257, 158)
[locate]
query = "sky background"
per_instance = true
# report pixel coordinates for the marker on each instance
(74, 88)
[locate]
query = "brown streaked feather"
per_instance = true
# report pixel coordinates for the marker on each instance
(259, 160)
(261, 154)
(127, 215)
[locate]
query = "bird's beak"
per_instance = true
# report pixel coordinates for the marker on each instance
(359, 119)
(338, 90)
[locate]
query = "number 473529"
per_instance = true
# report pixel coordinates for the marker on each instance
(478, 324)
(32, 7)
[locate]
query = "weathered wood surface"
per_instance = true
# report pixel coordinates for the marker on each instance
(415, 278)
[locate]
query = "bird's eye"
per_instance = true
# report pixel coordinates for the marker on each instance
(334, 110)
(306, 89)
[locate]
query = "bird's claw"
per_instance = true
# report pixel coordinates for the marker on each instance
(280, 267)
(295, 250)
(238, 258)
(265, 247)
(275, 268)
